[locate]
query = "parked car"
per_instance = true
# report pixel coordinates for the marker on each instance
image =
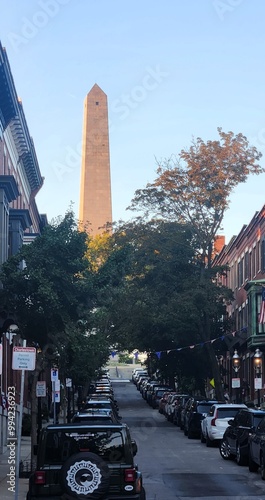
(137, 371)
(235, 441)
(178, 407)
(97, 416)
(139, 375)
(163, 401)
(101, 403)
(257, 449)
(86, 461)
(215, 423)
(152, 389)
(156, 396)
(195, 410)
(169, 407)
(140, 381)
(147, 388)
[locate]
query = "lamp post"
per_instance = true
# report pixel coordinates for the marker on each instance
(236, 380)
(257, 367)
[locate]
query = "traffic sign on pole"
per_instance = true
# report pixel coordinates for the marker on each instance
(54, 374)
(24, 358)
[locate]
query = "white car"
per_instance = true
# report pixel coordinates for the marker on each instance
(215, 423)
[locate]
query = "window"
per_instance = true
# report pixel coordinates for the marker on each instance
(263, 255)
(246, 265)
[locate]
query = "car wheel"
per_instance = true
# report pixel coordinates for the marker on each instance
(240, 460)
(85, 475)
(143, 495)
(252, 466)
(224, 449)
(208, 441)
(189, 434)
(203, 440)
(262, 466)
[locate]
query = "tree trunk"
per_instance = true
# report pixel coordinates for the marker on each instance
(219, 392)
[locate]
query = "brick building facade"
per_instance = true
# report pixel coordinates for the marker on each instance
(245, 257)
(20, 220)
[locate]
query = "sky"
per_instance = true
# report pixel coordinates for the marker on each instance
(172, 70)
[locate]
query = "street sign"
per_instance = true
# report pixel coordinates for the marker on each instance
(24, 358)
(235, 383)
(41, 389)
(54, 374)
(258, 383)
(68, 382)
(57, 385)
(56, 397)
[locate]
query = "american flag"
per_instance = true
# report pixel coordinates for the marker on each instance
(262, 307)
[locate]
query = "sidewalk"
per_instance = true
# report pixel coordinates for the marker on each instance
(25, 453)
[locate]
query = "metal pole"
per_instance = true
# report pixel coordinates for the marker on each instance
(54, 402)
(20, 428)
(259, 398)
(68, 405)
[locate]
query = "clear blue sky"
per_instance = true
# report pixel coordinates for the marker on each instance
(172, 70)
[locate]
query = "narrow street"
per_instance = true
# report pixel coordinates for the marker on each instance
(173, 466)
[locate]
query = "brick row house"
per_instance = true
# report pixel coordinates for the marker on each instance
(20, 220)
(242, 362)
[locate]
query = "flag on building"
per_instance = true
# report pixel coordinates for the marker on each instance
(262, 307)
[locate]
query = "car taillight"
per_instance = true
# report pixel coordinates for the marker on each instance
(213, 421)
(39, 477)
(129, 475)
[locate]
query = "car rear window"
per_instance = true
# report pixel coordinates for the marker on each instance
(226, 412)
(160, 392)
(60, 445)
(92, 419)
(204, 408)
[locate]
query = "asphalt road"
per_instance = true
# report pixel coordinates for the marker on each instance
(173, 466)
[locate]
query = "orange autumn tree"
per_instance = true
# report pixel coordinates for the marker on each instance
(194, 188)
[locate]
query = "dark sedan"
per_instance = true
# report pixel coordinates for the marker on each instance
(257, 449)
(235, 442)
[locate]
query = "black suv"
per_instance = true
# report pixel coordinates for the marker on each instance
(86, 461)
(195, 410)
(235, 442)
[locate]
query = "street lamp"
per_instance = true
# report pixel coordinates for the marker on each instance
(257, 367)
(236, 380)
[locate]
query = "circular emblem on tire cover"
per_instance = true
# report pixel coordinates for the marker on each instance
(83, 477)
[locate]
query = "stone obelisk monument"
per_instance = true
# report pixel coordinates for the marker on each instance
(95, 210)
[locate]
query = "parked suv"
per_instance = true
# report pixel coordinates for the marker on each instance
(195, 410)
(235, 442)
(215, 423)
(86, 461)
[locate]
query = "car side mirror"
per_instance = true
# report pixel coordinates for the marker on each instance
(134, 447)
(231, 422)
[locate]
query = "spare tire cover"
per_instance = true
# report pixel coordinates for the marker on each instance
(85, 475)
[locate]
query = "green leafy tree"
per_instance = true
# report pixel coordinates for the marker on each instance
(48, 287)
(194, 189)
